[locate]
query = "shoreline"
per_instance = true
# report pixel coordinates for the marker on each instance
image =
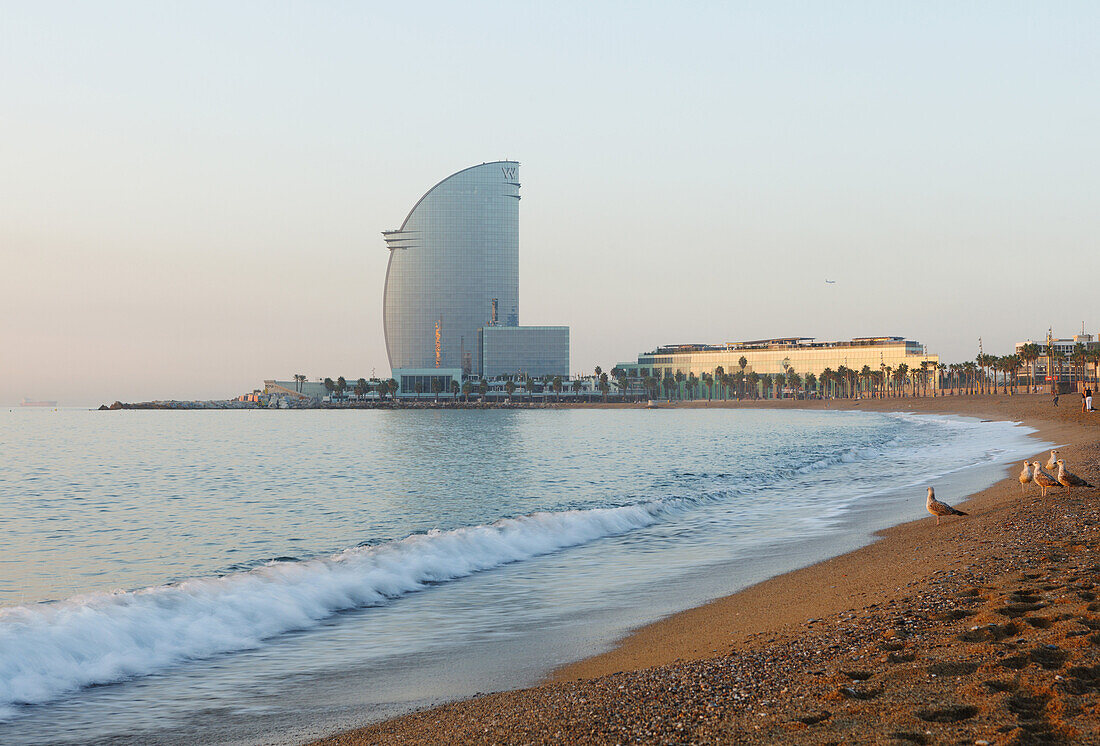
(783, 609)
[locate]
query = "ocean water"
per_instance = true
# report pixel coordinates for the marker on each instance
(268, 577)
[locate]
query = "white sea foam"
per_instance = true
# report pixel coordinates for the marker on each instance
(47, 650)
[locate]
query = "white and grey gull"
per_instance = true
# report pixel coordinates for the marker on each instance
(937, 508)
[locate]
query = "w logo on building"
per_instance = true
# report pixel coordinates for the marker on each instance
(509, 172)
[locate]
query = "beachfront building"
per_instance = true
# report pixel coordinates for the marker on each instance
(1057, 359)
(451, 299)
(801, 355)
(534, 351)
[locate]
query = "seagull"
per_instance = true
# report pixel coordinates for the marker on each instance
(1068, 479)
(1052, 462)
(936, 508)
(830, 282)
(1025, 477)
(1043, 478)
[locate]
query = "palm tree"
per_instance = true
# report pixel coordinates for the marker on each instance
(577, 386)
(692, 382)
(777, 384)
(330, 385)
(622, 382)
(811, 383)
(604, 388)
(1080, 356)
(720, 377)
(679, 381)
(556, 385)
(437, 387)
(794, 381)
(509, 388)
(467, 389)
(299, 382)
(455, 388)
(483, 389)
(1029, 353)
(754, 379)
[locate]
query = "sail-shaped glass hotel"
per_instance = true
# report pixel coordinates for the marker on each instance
(453, 273)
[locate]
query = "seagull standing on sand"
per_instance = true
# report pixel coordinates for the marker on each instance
(1025, 477)
(1068, 479)
(936, 508)
(1052, 462)
(1043, 478)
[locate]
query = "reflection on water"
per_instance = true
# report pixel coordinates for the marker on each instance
(101, 501)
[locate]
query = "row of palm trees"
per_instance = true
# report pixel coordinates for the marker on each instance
(525, 384)
(360, 388)
(985, 374)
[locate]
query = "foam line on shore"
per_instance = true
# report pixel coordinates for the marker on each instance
(47, 650)
(51, 649)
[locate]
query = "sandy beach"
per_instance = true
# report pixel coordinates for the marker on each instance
(985, 629)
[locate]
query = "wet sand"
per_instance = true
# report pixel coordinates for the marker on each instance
(985, 628)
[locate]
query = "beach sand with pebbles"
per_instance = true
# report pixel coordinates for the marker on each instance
(985, 629)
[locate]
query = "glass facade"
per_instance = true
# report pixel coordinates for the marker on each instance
(536, 351)
(454, 263)
(769, 357)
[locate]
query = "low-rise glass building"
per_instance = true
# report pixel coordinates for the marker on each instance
(770, 356)
(534, 351)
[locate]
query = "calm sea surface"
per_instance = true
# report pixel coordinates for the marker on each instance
(265, 577)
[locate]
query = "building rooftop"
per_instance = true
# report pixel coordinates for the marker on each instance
(778, 343)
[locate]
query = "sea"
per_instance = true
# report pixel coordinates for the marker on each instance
(247, 577)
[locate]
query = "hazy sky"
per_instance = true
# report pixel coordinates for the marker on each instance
(192, 194)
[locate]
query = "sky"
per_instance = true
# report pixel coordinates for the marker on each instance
(192, 194)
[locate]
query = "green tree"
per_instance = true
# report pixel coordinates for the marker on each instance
(1029, 353)
(621, 380)
(509, 388)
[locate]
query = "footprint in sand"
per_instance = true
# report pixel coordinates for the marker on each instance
(990, 632)
(948, 714)
(953, 668)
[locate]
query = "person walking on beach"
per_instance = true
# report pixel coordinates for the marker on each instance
(1088, 401)
(1056, 400)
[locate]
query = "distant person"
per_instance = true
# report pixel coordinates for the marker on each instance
(1088, 401)
(1056, 400)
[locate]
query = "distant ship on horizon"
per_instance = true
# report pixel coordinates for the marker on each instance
(28, 403)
